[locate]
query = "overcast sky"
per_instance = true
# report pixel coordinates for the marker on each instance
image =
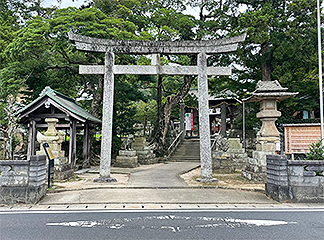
(78, 3)
(64, 4)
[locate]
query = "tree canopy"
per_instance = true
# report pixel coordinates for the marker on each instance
(35, 52)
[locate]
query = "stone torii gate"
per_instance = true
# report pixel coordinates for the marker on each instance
(112, 47)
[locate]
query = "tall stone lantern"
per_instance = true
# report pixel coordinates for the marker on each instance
(268, 93)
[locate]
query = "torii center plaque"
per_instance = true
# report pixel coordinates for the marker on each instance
(111, 47)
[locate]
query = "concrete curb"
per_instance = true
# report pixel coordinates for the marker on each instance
(189, 187)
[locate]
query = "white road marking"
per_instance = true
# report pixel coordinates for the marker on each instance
(86, 224)
(212, 222)
(258, 222)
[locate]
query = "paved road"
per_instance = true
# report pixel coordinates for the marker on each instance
(167, 175)
(176, 224)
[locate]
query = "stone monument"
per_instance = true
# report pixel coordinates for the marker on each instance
(126, 159)
(144, 152)
(231, 159)
(62, 169)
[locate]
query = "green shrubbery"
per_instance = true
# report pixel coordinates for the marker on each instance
(316, 151)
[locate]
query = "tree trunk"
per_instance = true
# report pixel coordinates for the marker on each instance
(266, 66)
(144, 126)
(171, 101)
(159, 115)
(11, 127)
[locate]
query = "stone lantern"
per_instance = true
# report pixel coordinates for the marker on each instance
(62, 168)
(54, 140)
(268, 93)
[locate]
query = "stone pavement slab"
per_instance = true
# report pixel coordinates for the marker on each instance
(153, 196)
(165, 175)
(148, 184)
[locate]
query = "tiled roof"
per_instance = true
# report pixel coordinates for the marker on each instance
(64, 101)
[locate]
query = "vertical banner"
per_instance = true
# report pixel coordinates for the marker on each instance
(188, 121)
(191, 118)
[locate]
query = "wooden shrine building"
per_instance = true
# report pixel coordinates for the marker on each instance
(53, 104)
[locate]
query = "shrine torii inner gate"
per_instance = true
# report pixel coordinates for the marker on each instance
(112, 47)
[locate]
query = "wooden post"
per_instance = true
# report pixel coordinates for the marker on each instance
(31, 139)
(86, 143)
(182, 120)
(72, 143)
(223, 119)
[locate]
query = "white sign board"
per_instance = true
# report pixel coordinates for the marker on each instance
(188, 121)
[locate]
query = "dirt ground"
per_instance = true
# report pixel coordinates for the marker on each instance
(231, 180)
(86, 181)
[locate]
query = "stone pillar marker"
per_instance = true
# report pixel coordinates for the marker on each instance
(204, 132)
(107, 117)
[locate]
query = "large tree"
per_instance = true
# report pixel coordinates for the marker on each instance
(43, 55)
(9, 85)
(282, 45)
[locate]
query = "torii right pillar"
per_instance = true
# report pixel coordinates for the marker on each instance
(268, 93)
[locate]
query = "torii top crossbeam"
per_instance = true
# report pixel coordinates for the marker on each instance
(91, 44)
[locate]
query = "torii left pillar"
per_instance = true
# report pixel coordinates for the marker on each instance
(204, 132)
(107, 120)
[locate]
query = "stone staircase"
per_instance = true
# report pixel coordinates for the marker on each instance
(188, 150)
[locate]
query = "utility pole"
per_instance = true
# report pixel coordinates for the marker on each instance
(320, 66)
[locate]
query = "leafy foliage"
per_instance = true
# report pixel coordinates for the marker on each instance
(282, 44)
(316, 151)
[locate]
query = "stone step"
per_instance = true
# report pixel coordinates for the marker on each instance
(184, 153)
(188, 150)
(188, 147)
(190, 144)
(184, 158)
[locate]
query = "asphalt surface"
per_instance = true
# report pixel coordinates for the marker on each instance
(288, 224)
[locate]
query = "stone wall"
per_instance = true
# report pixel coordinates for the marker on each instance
(295, 180)
(222, 162)
(23, 181)
(234, 159)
